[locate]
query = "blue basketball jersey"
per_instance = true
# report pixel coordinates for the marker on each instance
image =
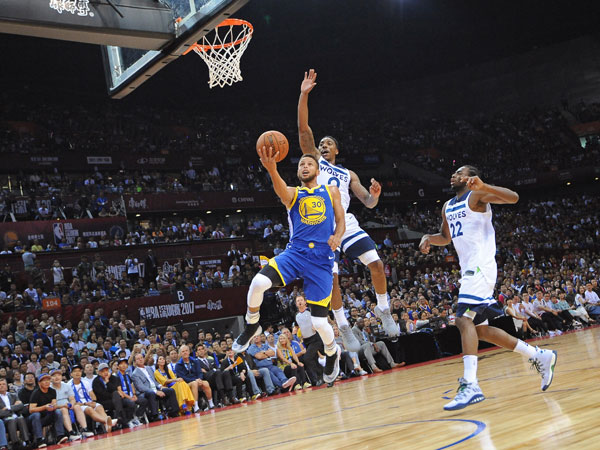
(311, 216)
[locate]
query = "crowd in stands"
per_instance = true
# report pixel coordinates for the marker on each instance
(521, 231)
(91, 281)
(529, 143)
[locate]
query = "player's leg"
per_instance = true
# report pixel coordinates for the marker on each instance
(475, 300)
(332, 350)
(350, 342)
(269, 276)
(468, 390)
(542, 360)
(366, 251)
(358, 244)
(318, 279)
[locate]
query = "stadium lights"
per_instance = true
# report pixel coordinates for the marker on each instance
(138, 215)
(208, 212)
(568, 183)
(239, 210)
(226, 215)
(414, 203)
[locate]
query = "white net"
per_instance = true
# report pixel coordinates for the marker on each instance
(222, 51)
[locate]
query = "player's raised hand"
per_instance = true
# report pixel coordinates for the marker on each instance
(267, 158)
(334, 242)
(375, 189)
(425, 245)
(309, 81)
(473, 183)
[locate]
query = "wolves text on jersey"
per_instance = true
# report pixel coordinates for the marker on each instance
(343, 177)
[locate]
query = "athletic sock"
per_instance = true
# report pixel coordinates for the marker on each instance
(340, 317)
(382, 301)
(525, 349)
(330, 348)
(210, 403)
(252, 317)
(196, 405)
(470, 363)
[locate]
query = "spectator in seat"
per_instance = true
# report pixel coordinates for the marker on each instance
(237, 372)
(11, 410)
(262, 355)
(191, 372)
(263, 374)
(107, 390)
(86, 400)
(219, 381)
(288, 361)
(65, 401)
(43, 411)
(148, 388)
(543, 308)
(167, 378)
(592, 301)
(369, 349)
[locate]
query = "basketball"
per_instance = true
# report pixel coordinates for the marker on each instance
(276, 140)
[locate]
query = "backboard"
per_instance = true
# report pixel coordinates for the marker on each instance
(127, 68)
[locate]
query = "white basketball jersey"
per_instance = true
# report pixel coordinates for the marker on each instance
(330, 174)
(473, 237)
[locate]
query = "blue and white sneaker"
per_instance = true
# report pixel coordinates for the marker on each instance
(544, 362)
(467, 394)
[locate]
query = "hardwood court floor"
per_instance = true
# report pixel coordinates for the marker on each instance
(403, 409)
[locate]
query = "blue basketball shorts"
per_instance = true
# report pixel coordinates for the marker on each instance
(314, 265)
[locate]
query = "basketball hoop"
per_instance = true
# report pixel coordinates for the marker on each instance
(223, 50)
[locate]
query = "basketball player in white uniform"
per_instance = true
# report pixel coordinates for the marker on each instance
(355, 243)
(467, 222)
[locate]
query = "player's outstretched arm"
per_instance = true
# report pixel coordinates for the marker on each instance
(487, 193)
(369, 198)
(340, 219)
(439, 239)
(305, 134)
(269, 161)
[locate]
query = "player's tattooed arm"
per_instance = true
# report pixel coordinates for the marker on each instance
(305, 134)
(439, 239)
(370, 197)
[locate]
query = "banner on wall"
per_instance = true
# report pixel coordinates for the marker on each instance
(160, 310)
(63, 233)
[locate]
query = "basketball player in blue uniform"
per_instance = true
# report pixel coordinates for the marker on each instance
(356, 243)
(316, 220)
(467, 223)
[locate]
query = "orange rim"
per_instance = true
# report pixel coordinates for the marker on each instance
(225, 23)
